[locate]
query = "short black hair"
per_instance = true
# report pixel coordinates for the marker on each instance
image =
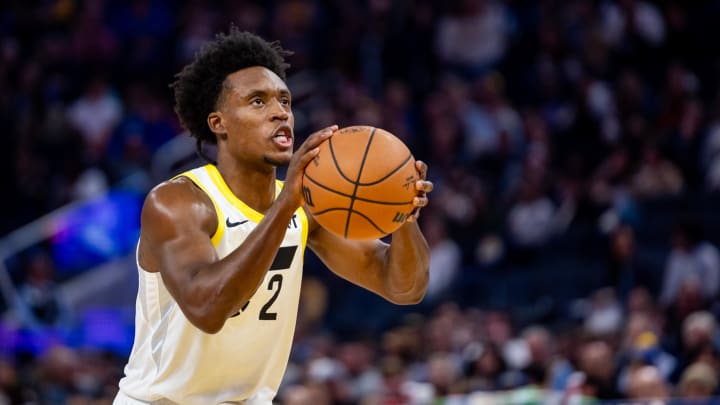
(198, 85)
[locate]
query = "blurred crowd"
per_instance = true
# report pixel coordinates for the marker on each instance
(574, 146)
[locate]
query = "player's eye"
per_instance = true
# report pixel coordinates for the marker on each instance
(285, 101)
(257, 101)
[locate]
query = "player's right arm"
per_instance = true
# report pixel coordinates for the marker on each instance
(177, 223)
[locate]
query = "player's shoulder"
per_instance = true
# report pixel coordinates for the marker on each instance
(179, 189)
(178, 196)
(173, 209)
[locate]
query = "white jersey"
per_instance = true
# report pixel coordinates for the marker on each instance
(172, 361)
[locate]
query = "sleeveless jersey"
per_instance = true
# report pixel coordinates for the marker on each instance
(172, 361)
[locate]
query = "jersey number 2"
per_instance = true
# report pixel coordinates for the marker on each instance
(265, 314)
(282, 261)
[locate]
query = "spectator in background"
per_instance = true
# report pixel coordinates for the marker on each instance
(444, 375)
(398, 388)
(328, 376)
(363, 378)
(59, 370)
(641, 301)
(445, 259)
(686, 140)
(487, 370)
(531, 220)
(698, 340)
(544, 359)
(596, 361)
(656, 176)
(689, 300)
(609, 188)
(692, 261)
(626, 21)
(625, 269)
(40, 304)
(604, 317)
(474, 37)
(646, 383)
(305, 395)
(492, 127)
(147, 125)
(698, 384)
(644, 350)
(95, 115)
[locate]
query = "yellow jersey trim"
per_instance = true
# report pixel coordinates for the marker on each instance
(245, 209)
(304, 220)
(220, 231)
(301, 215)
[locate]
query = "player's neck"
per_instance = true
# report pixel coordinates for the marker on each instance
(253, 187)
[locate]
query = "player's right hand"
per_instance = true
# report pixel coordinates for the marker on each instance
(302, 156)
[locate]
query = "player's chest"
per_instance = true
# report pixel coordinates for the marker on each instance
(238, 229)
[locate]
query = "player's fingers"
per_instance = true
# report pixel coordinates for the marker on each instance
(315, 139)
(421, 168)
(413, 215)
(308, 156)
(420, 201)
(318, 137)
(424, 186)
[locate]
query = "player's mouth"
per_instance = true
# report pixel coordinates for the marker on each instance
(283, 137)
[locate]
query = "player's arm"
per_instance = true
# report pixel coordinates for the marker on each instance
(397, 271)
(178, 221)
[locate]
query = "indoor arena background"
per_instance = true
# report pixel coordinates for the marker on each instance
(575, 151)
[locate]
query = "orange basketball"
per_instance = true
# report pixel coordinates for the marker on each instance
(362, 183)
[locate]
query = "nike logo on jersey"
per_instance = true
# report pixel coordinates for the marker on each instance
(232, 224)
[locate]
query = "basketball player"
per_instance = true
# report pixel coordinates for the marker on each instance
(221, 247)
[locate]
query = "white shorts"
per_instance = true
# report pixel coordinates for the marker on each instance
(122, 399)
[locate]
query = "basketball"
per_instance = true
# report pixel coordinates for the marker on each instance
(361, 185)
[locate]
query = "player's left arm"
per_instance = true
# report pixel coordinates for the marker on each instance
(397, 271)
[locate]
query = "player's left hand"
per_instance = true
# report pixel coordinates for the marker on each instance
(422, 187)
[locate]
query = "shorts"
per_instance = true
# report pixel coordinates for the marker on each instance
(122, 399)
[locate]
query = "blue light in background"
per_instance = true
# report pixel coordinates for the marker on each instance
(97, 231)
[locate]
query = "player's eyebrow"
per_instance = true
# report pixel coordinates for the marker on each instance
(265, 92)
(255, 93)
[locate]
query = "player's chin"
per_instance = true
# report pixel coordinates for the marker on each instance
(278, 159)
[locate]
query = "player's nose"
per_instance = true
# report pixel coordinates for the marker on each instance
(280, 111)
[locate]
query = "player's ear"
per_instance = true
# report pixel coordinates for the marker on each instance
(217, 124)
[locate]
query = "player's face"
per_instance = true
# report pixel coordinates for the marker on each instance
(257, 117)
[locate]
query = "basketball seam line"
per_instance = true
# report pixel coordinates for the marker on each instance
(335, 162)
(363, 199)
(393, 171)
(352, 211)
(372, 183)
(362, 164)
